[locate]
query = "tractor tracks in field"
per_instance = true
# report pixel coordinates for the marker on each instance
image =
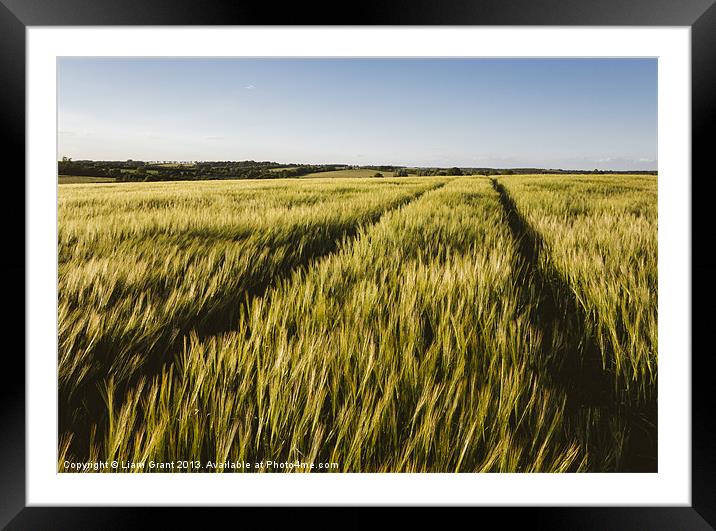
(571, 359)
(85, 407)
(224, 315)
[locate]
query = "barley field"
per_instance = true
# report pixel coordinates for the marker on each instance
(82, 179)
(415, 324)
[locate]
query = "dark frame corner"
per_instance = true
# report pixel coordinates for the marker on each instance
(700, 15)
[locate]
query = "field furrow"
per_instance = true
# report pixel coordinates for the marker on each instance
(592, 241)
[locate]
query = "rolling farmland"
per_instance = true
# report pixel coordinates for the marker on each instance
(415, 324)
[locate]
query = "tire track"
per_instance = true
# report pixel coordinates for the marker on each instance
(597, 412)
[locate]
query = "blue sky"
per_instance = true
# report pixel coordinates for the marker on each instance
(554, 113)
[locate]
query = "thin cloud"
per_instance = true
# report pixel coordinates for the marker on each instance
(249, 87)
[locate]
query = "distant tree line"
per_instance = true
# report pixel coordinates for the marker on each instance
(518, 171)
(135, 170)
(523, 171)
(440, 171)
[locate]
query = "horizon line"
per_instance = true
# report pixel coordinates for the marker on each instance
(193, 161)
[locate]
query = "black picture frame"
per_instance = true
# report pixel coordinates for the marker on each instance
(16, 15)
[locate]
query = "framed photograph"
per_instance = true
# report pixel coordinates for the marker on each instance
(430, 258)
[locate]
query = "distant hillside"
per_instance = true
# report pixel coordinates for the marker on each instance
(137, 171)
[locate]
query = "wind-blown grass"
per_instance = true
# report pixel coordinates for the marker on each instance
(142, 265)
(600, 234)
(387, 325)
(407, 350)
